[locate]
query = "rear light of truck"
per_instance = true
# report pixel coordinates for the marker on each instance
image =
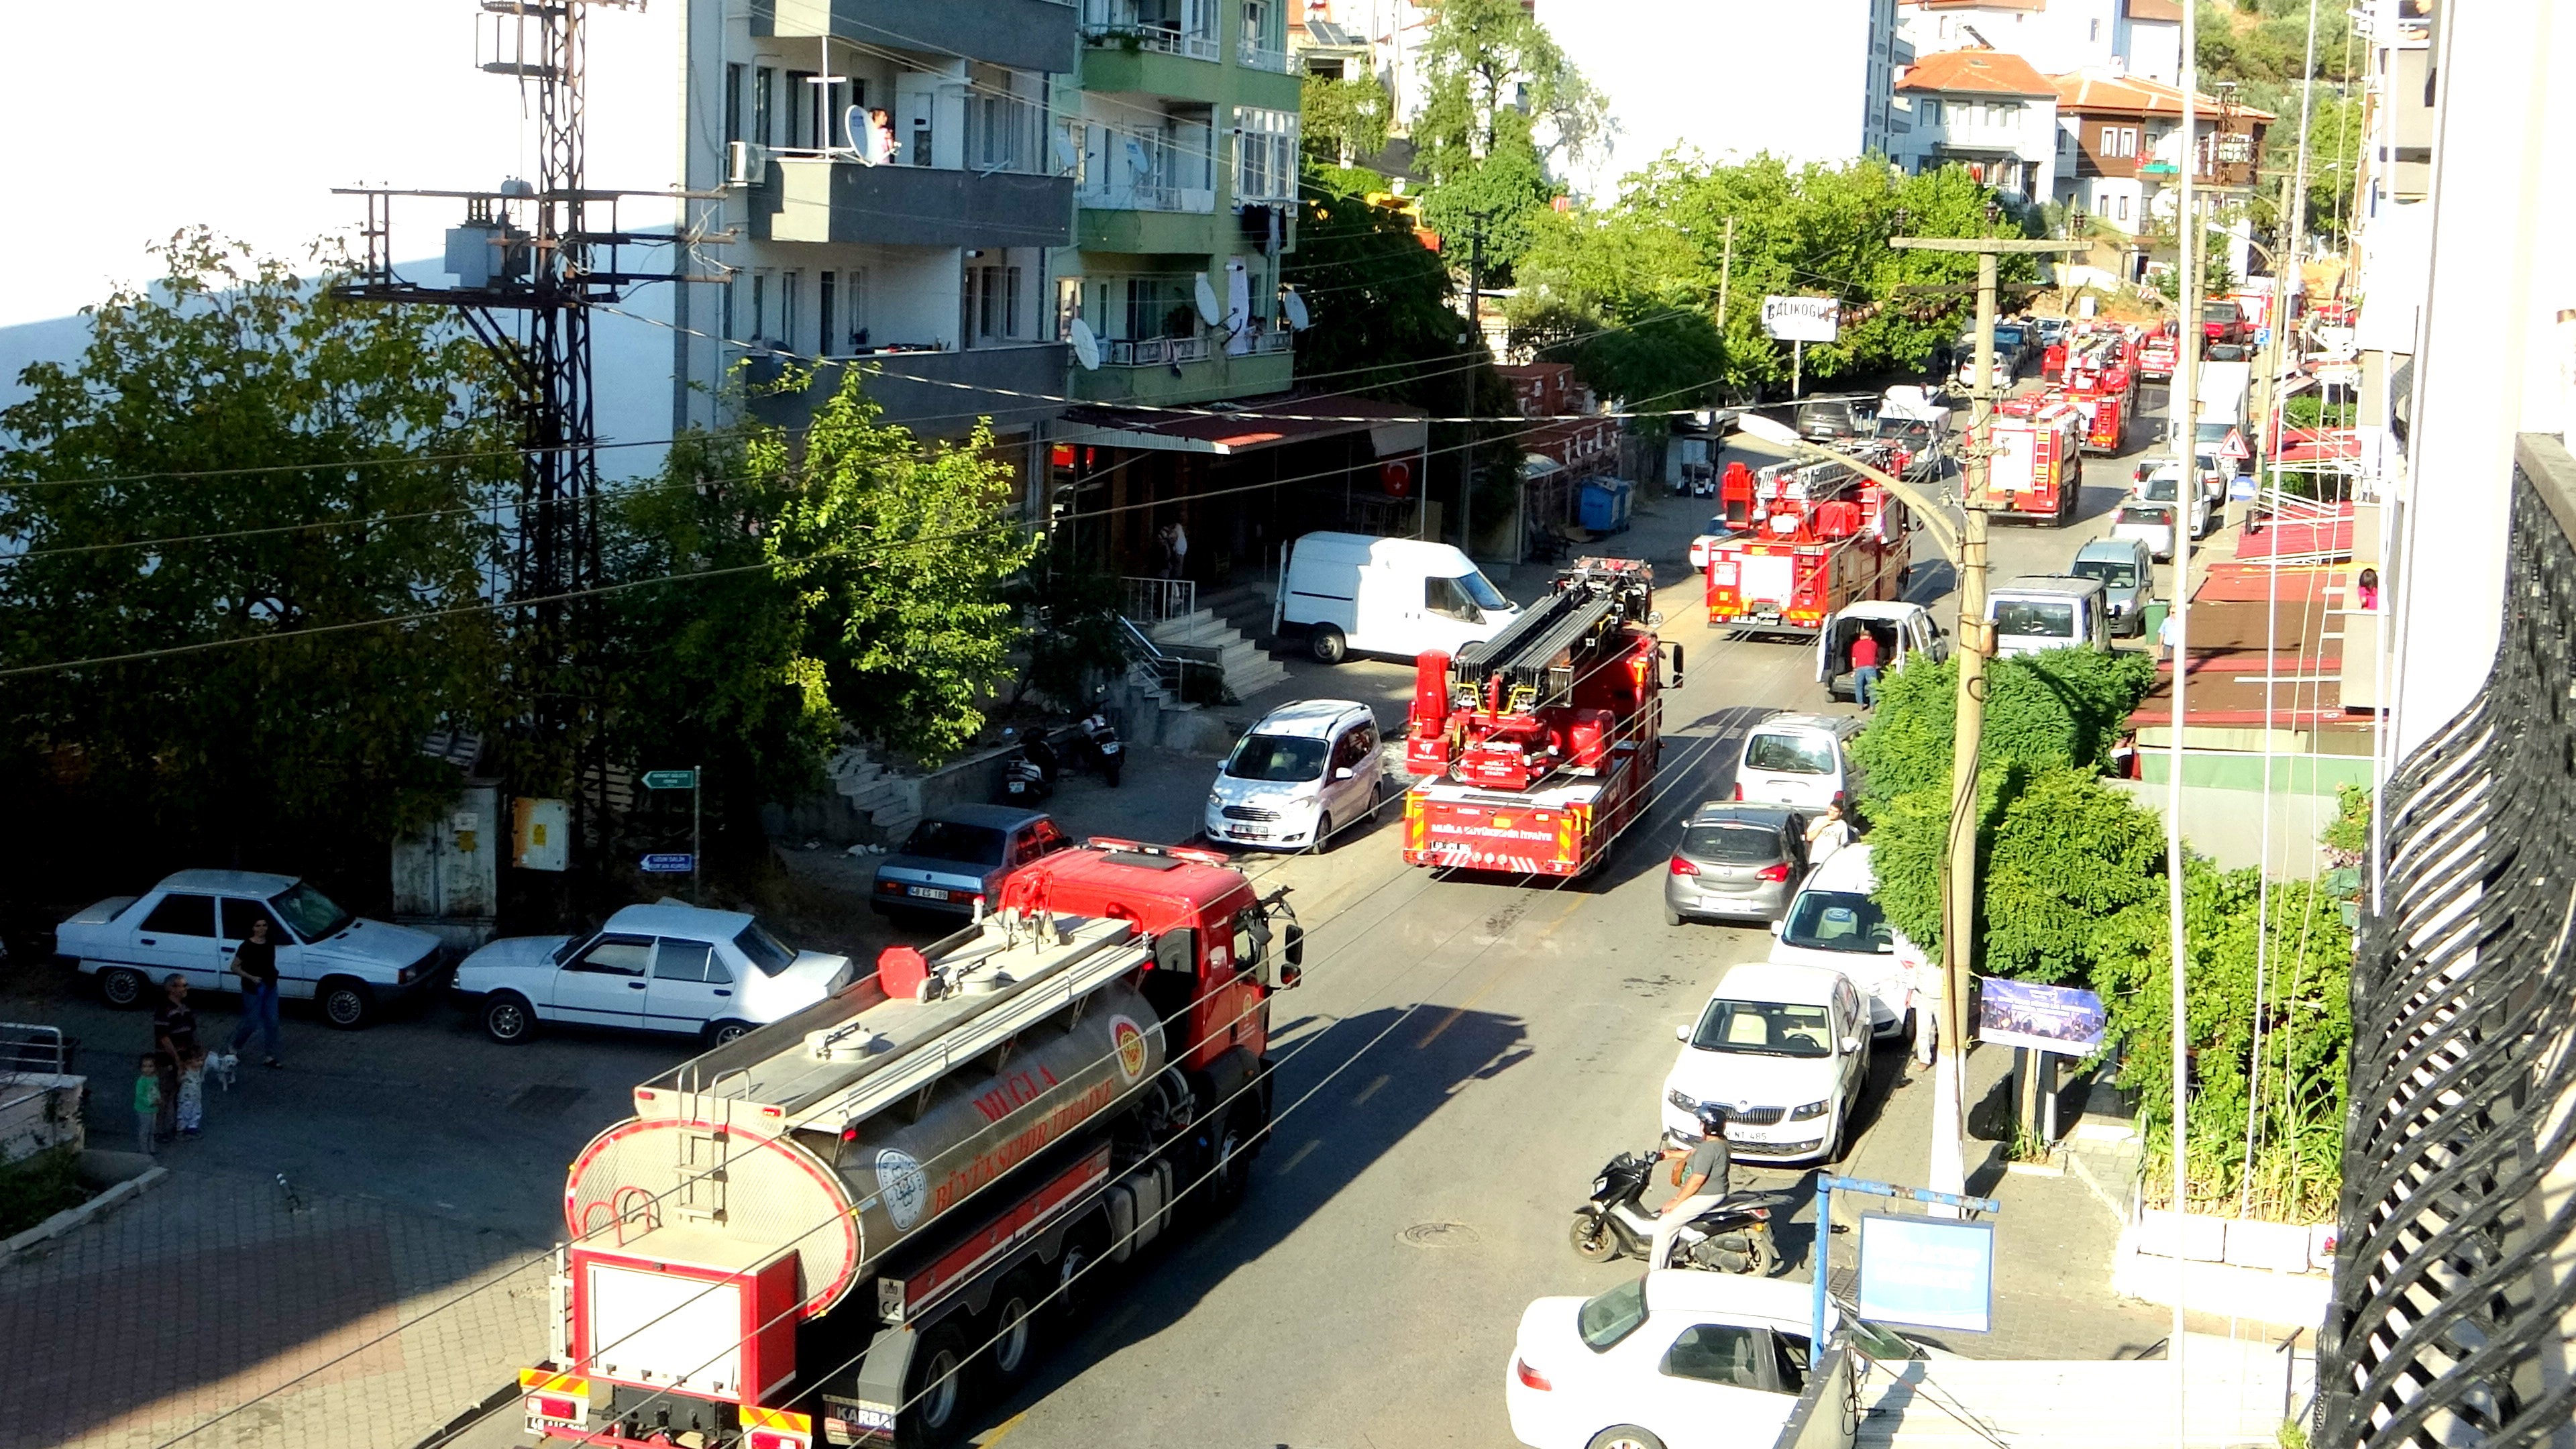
(1530, 1378)
(1684, 867)
(558, 1411)
(778, 1439)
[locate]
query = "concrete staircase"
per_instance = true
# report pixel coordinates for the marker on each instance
(891, 802)
(1217, 632)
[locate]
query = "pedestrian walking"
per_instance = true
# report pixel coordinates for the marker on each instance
(191, 1111)
(255, 962)
(147, 1102)
(2168, 635)
(174, 1039)
(1864, 661)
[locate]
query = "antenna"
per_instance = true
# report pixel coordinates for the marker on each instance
(1295, 307)
(1211, 311)
(1086, 345)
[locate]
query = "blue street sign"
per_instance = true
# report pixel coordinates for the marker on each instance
(2243, 488)
(1928, 1272)
(670, 864)
(2262, 336)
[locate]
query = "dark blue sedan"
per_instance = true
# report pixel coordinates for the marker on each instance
(958, 856)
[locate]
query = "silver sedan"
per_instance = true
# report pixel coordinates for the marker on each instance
(1735, 862)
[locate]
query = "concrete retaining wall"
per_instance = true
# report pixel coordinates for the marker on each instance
(2227, 825)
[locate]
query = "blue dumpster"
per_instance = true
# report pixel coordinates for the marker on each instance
(1605, 504)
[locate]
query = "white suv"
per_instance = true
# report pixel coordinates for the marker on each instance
(1799, 761)
(1307, 773)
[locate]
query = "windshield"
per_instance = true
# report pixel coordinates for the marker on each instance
(1837, 921)
(2114, 573)
(1789, 755)
(763, 950)
(1277, 758)
(2211, 433)
(1732, 844)
(957, 841)
(2160, 488)
(2151, 517)
(309, 913)
(1482, 591)
(1765, 1029)
(2219, 312)
(1606, 1318)
(2029, 619)
(1904, 430)
(2008, 337)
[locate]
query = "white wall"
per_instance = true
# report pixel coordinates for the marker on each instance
(2068, 35)
(2151, 48)
(244, 119)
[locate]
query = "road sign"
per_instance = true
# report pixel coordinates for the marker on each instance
(1927, 1272)
(1802, 319)
(2234, 447)
(672, 779)
(2243, 490)
(673, 864)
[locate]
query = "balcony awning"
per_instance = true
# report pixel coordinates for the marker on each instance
(1229, 429)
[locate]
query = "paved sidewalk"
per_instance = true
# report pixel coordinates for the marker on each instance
(137, 1329)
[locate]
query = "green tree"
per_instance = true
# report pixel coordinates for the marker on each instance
(1345, 119)
(1500, 102)
(238, 466)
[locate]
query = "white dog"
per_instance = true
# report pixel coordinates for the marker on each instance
(221, 1065)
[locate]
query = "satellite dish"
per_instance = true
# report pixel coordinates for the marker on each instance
(1086, 345)
(1211, 311)
(1295, 307)
(1065, 160)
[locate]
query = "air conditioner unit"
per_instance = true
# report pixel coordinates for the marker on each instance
(746, 163)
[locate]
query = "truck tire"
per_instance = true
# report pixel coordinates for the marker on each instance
(346, 1002)
(508, 1018)
(123, 988)
(1014, 1331)
(1624, 1436)
(935, 1390)
(1327, 644)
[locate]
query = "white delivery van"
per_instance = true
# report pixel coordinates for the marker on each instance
(1903, 630)
(1351, 592)
(2049, 611)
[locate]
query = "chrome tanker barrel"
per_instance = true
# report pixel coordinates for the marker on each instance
(839, 1132)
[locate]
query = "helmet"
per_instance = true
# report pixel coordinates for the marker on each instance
(1712, 1119)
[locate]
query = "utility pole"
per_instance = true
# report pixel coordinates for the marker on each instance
(1725, 274)
(2183, 419)
(1475, 346)
(1949, 1172)
(538, 253)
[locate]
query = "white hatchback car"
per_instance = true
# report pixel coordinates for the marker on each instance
(1676, 1359)
(1801, 761)
(1832, 922)
(1310, 771)
(666, 967)
(1783, 1051)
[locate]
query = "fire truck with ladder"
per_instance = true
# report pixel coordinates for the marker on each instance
(1815, 537)
(1534, 749)
(2101, 383)
(857, 1223)
(2036, 466)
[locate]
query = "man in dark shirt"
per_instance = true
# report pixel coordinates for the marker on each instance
(174, 1038)
(1706, 1176)
(255, 962)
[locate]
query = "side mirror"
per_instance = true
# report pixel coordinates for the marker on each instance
(1776, 927)
(1293, 945)
(1682, 1032)
(1341, 774)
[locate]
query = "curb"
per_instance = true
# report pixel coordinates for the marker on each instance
(447, 1432)
(72, 1217)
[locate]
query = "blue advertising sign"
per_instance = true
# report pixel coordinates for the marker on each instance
(2056, 1019)
(670, 864)
(1927, 1272)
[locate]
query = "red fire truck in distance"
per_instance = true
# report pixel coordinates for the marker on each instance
(2101, 382)
(1535, 748)
(1817, 536)
(853, 1224)
(2036, 468)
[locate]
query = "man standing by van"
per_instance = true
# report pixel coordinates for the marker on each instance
(1864, 662)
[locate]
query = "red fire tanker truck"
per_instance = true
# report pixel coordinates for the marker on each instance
(1535, 748)
(1818, 536)
(847, 1226)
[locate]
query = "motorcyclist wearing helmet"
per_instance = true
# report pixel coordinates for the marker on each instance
(1704, 1172)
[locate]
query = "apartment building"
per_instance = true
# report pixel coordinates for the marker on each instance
(1991, 112)
(2125, 37)
(2121, 150)
(895, 189)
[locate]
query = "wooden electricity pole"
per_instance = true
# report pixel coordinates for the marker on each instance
(1976, 645)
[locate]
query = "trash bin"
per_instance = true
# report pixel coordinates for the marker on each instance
(2154, 616)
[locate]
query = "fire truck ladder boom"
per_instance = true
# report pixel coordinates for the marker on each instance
(1542, 638)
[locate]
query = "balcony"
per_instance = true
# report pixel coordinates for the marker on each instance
(1159, 39)
(1260, 57)
(816, 198)
(940, 394)
(1200, 373)
(1036, 35)
(2452, 1300)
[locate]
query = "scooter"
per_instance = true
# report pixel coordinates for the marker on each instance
(1098, 740)
(1028, 773)
(1734, 1236)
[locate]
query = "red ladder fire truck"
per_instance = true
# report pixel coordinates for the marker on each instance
(1535, 748)
(850, 1225)
(2102, 385)
(1817, 536)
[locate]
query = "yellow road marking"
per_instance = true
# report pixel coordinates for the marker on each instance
(1003, 1430)
(1365, 1093)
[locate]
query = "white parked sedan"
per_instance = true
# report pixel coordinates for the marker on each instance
(665, 967)
(1783, 1051)
(1676, 1359)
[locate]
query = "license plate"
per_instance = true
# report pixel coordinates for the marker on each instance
(1243, 833)
(927, 893)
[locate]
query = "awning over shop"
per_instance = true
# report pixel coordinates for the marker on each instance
(1228, 429)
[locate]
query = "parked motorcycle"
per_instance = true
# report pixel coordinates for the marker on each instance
(1734, 1236)
(1101, 749)
(1028, 772)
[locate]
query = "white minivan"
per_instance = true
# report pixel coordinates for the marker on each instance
(1903, 631)
(2049, 611)
(1308, 772)
(1346, 592)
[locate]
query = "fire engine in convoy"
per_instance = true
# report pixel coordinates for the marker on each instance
(2036, 466)
(1817, 536)
(2102, 385)
(846, 1226)
(1535, 748)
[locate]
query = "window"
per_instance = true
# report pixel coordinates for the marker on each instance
(760, 307)
(733, 103)
(854, 309)
(1606, 1318)
(688, 961)
(761, 949)
(1733, 844)
(802, 120)
(1932, 109)
(1789, 755)
(1837, 921)
(1446, 598)
(952, 840)
(1265, 155)
(1720, 1353)
(764, 81)
(731, 332)
(2110, 141)
(2123, 199)
(2005, 113)
(2034, 619)
(239, 914)
(826, 344)
(616, 956)
(789, 285)
(182, 916)
(2128, 140)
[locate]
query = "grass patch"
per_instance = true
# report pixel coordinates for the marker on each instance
(35, 1188)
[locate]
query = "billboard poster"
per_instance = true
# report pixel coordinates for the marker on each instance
(2058, 1019)
(1802, 319)
(1927, 1272)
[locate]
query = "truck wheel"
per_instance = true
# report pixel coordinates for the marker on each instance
(1014, 1328)
(1327, 644)
(508, 1019)
(936, 1390)
(121, 988)
(346, 1004)
(1230, 1175)
(1624, 1436)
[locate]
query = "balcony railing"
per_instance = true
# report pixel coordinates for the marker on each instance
(1161, 39)
(1261, 57)
(1153, 351)
(1281, 340)
(2452, 1299)
(1149, 196)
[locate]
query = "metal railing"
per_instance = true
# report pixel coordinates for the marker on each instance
(1276, 340)
(1261, 57)
(1157, 601)
(1161, 39)
(28, 1050)
(1153, 351)
(2452, 1295)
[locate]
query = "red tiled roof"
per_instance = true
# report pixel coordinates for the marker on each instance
(2131, 93)
(1989, 72)
(2168, 12)
(2033, 6)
